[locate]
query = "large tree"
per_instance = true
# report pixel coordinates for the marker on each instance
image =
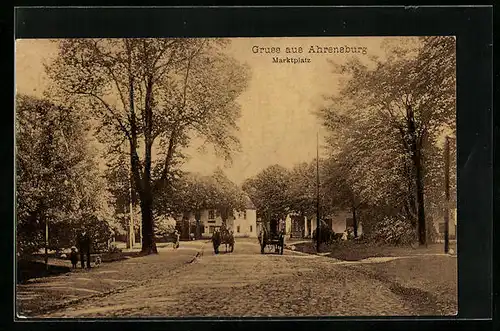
(305, 182)
(228, 196)
(156, 94)
(409, 96)
(57, 178)
(269, 190)
(303, 189)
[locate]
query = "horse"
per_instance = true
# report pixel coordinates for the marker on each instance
(228, 240)
(273, 239)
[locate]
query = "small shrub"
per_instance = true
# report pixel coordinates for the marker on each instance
(394, 231)
(114, 249)
(326, 234)
(337, 237)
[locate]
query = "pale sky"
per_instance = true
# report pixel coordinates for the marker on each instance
(277, 125)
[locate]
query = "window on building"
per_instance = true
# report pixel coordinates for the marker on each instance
(251, 228)
(245, 214)
(211, 214)
(238, 229)
(211, 229)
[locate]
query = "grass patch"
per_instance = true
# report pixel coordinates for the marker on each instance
(427, 283)
(359, 250)
(28, 269)
(115, 256)
(34, 266)
(355, 250)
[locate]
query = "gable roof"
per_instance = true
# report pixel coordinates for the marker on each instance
(248, 203)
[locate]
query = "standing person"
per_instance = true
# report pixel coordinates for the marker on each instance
(84, 248)
(73, 256)
(176, 238)
(216, 240)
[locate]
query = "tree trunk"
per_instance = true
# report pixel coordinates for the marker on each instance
(143, 187)
(422, 231)
(197, 217)
(410, 205)
(416, 156)
(354, 221)
(148, 240)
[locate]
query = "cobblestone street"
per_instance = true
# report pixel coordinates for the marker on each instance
(50, 293)
(246, 283)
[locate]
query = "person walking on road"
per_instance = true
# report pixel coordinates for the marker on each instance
(84, 244)
(177, 239)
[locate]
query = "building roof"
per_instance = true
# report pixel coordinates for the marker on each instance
(248, 203)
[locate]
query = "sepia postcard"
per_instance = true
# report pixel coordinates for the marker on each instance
(235, 177)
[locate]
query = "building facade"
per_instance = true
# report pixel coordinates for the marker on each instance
(297, 226)
(243, 223)
(439, 223)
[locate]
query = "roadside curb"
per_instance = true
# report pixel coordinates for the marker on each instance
(367, 260)
(199, 253)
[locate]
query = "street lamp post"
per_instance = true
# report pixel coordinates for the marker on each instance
(131, 237)
(46, 257)
(318, 226)
(46, 242)
(447, 194)
(131, 220)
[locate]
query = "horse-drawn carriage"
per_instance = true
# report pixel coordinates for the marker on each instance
(270, 235)
(223, 236)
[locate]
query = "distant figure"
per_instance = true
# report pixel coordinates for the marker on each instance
(84, 244)
(73, 256)
(177, 239)
(350, 233)
(216, 241)
(98, 261)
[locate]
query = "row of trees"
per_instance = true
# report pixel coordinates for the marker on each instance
(386, 128)
(193, 193)
(144, 99)
(277, 191)
(151, 96)
(387, 125)
(147, 98)
(59, 182)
